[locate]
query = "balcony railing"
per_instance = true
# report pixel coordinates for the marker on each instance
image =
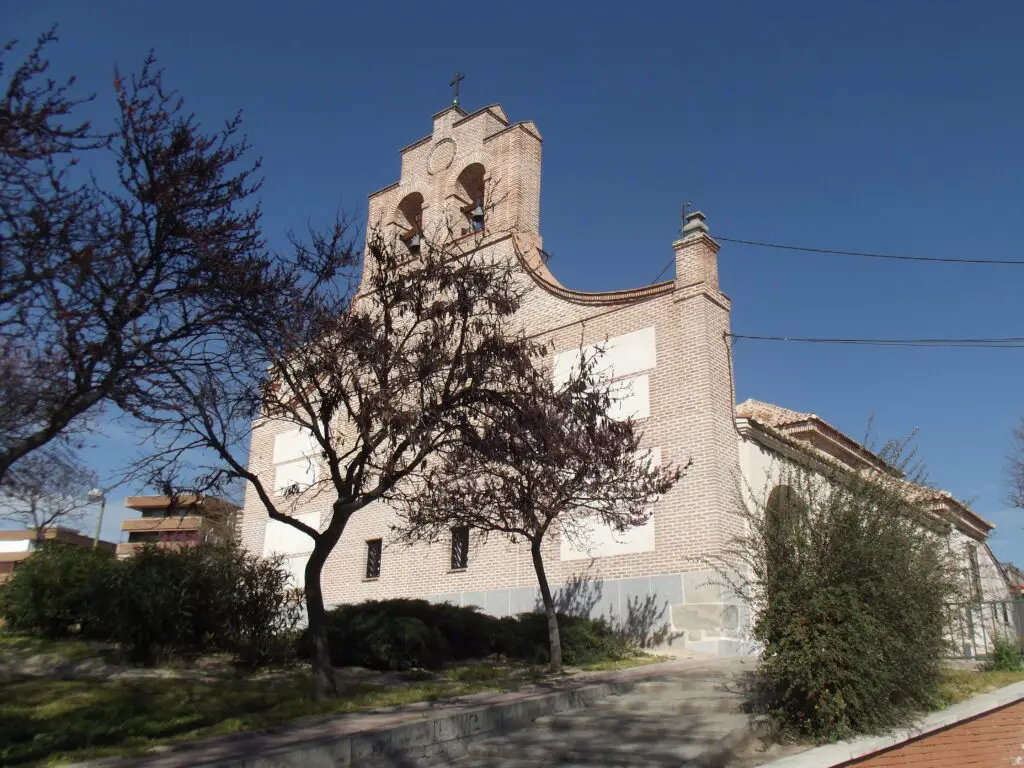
(183, 523)
(130, 548)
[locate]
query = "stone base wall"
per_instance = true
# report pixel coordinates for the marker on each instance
(691, 610)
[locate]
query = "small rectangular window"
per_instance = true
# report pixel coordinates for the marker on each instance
(373, 551)
(460, 548)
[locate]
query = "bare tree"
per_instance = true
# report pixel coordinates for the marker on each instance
(378, 375)
(1017, 467)
(46, 489)
(553, 461)
(105, 285)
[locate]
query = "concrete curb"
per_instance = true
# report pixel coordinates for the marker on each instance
(421, 734)
(844, 751)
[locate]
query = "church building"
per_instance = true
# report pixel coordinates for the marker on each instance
(667, 344)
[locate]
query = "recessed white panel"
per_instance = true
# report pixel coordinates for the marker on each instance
(600, 540)
(283, 539)
(631, 399)
(632, 352)
(294, 444)
(301, 473)
(296, 567)
(624, 355)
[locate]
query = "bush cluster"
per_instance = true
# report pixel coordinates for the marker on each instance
(402, 634)
(1006, 655)
(853, 584)
(181, 601)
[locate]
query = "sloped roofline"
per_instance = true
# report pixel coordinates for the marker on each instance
(530, 258)
(789, 422)
(969, 521)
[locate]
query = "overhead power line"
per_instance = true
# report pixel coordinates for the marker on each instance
(1013, 342)
(670, 263)
(862, 254)
(868, 255)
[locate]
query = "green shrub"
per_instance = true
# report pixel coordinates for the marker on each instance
(400, 634)
(54, 592)
(160, 603)
(850, 584)
(465, 630)
(1006, 655)
(584, 640)
(266, 611)
(588, 641)
(507, 638)
(212, 597)
(385, 635)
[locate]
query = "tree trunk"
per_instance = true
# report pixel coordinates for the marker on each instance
(325, 685)
(554, 638)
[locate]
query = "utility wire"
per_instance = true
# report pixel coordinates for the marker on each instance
(993, 343)
(868, 255)
(863, 254)
(670, 263)
(988, 343)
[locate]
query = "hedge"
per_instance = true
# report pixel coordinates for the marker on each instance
(212, 597)
(401, 634)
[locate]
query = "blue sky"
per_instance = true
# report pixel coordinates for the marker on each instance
(873, 126)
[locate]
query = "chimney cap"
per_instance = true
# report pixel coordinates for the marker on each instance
(696, 222)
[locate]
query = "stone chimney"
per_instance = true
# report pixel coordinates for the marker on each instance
(696, 255)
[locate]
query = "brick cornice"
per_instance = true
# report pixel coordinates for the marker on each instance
(691, 240)
(514, 126)
(701, 289)
(540, 275)
(415, 144)
(488, 109)
(456, 107)
(382, 190)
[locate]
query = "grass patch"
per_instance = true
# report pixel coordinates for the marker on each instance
(27, 645)
(486, 673)
(46, 722)
(961, 684)
(610, 665)
(500, 674)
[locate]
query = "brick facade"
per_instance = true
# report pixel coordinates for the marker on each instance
(688, 395)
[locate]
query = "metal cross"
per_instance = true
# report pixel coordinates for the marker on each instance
(459, 77)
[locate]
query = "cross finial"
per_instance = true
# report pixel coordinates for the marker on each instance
(459, 77)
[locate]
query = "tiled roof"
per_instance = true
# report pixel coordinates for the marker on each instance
(777, 419)
(770, 414)
(921, 493)
(797, 424)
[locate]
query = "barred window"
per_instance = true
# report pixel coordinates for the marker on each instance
(972, 557)
(373, 551)
(460, 548)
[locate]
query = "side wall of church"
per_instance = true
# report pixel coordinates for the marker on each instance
(973, 624)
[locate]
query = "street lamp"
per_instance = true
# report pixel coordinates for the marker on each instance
(94, 496)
